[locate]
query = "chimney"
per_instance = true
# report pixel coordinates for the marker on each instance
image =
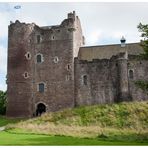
(123, 40)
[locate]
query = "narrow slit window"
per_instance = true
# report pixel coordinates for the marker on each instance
(38, 38)
(68, 67)
(56, 59)
(28, 55)
(85, 80)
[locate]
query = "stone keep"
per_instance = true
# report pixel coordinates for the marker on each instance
(50, 69)
(56, 46)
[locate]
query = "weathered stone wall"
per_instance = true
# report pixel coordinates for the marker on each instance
(57, 45)
(108, 80)
(101, 81)
(19, 89)
(140, 72)
(68, 82)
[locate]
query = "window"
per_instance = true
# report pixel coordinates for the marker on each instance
(131, 74)
(41, 87)
(28, 55)
(56, 59)
(26, 75)
(85, 80)
(38, 38)
(68, 67)
(39, 58)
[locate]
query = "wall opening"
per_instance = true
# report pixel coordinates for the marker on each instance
(56, 59)
(26, 75)
(28, 55)
(39, 58)
(38, 38)
(41, 108)
(85, 80)
(41, 87)
(131, 74)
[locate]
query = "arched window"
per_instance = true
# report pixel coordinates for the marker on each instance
(131, 74)
(39, 58)
(85, 80)
(41, 87)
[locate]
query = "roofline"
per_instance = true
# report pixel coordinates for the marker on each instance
(108, 45)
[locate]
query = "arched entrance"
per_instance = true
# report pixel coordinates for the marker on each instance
(41, 108)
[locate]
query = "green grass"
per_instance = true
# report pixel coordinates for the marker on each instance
(134, 115)
(112, 124)
(4, 121)
(7, 138)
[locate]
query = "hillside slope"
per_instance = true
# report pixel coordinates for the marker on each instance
(123, 121)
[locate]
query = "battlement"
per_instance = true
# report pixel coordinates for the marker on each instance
(71, 15)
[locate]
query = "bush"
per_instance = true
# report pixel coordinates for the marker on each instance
(2, 103)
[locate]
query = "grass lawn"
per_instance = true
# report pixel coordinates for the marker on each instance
(110, 124)
(8, 138)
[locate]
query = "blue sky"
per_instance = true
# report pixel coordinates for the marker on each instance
(102, 23)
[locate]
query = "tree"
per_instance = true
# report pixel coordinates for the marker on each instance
(2, 102)
(144, 42)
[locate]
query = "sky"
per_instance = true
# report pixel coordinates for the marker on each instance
(102, 23)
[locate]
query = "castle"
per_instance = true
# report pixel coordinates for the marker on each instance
(50, 69)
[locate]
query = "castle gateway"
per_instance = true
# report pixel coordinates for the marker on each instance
(50, 69)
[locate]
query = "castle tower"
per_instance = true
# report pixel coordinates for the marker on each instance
(123, 86)
(41, 66)
(20, 60)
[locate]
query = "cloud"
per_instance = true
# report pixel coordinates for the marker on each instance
(4, 24)
(102, 23)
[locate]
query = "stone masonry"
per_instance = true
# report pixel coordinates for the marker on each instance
(50, 69)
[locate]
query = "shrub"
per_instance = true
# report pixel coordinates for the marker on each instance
(2, 102)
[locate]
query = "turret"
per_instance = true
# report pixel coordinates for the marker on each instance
(123, 86)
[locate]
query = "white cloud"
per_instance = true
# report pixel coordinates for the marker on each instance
(94, 37)
(4, 24)
(102, 23)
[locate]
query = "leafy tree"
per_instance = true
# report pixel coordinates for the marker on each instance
(2, 102)
(144, 42)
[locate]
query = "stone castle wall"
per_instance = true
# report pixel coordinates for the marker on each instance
(69, 72)
(108, 80)
(57, 46)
